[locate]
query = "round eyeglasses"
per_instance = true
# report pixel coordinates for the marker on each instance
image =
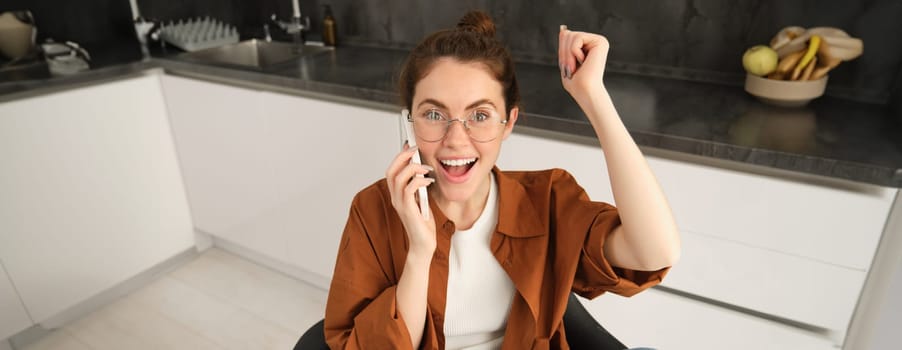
(483, 125)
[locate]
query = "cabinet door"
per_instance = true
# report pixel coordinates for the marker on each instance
(775, 256)
(13, 317)
(662, 320)
(219, 134)
(276, 173)
(322, 153)
(90, 192)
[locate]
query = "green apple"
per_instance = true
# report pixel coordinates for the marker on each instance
(760, 60)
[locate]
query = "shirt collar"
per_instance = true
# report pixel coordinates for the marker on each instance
(517, 216)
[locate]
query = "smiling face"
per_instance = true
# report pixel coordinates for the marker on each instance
(457, 90)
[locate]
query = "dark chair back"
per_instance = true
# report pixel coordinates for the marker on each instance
(583, 332)
(313, 339)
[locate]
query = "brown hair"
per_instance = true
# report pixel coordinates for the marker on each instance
(473, 40)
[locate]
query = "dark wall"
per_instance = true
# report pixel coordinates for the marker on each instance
(248, 15)
(103, 21)
(702, 39)
(82, 21)
(691, 39)
(896, 98)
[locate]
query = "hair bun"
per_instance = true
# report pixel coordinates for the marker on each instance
(477, 22)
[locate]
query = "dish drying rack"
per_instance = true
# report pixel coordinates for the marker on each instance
(198, 33)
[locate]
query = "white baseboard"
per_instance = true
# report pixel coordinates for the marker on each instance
(202, 240)
(96, 302)
(120, 290)
(312, 278)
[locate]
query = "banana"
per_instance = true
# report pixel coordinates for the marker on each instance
(785, 36)
(796, 44)
(845, 49)
(842, 46)
(824, 62)
(828, 31)
(787, 63)
(809, 54)
(809, 69)
(813, 43)
(820, 72)
(824, 56)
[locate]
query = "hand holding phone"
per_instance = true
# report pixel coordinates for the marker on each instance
(408, 136)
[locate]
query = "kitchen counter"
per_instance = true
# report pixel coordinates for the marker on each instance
(832, 137)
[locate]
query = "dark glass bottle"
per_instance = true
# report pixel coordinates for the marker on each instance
(329, 37)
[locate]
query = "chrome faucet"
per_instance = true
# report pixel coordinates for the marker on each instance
(297, 26)
(146, 31)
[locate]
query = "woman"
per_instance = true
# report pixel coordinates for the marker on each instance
(494, 264)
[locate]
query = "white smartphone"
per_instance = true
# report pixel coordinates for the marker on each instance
(407, 136)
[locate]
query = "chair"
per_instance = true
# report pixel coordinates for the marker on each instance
(313, 339)
(583, 332)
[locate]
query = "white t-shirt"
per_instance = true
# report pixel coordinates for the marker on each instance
(479, 290)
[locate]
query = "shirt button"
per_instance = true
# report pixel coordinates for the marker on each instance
(449, 226)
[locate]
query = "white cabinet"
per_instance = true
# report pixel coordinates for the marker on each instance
(767, 281)
(90, 192)
(322, 153)
(788, 249)
(795, 250)
(276, 173)
(840, 226)
(662, 320)
(219, 132)
(13, 317)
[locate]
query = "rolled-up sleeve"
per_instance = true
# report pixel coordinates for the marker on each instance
(361, 312)
(592, 222)
(595, 275)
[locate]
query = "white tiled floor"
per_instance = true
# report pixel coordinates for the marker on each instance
(217, 301)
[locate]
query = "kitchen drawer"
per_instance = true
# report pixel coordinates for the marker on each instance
(662, 320)
(827, 224)
(767, 281)
(793, 250)
(822, 223)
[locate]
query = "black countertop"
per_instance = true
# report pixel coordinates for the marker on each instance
(830, 137)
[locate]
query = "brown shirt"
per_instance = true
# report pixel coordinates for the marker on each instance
(549, 241)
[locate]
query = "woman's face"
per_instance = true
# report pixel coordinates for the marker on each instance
(458, 90)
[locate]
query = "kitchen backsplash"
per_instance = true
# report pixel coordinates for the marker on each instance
(896, 100)
(248, 15)
(688, 39)
(82, 21)
(697, 39)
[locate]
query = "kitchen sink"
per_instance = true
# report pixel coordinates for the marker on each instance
(254, 53)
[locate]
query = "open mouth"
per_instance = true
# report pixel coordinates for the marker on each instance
(457, 170)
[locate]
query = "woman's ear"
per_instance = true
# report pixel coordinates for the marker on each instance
(511, 120)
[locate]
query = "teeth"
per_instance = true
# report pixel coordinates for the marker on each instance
(458, 162)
